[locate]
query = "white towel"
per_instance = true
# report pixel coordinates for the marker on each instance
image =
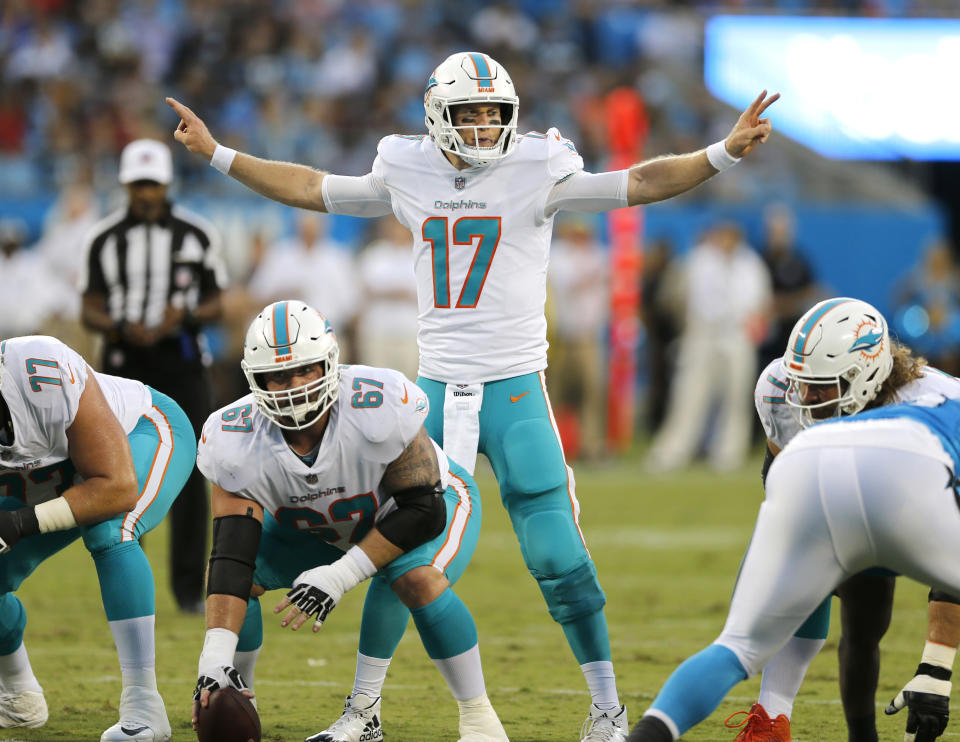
(461, 423)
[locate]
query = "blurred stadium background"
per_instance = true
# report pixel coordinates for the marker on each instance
(859, 174)
(856, 193)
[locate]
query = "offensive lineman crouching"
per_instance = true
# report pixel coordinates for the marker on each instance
(330, 465)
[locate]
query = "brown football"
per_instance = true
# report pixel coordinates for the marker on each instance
(228, 717)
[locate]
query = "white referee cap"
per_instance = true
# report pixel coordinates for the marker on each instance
(146, 159)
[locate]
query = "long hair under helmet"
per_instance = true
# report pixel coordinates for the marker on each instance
(839, 341)
(470, 77)
(288, 334)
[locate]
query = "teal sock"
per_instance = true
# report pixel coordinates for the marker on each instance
(251, 633)
(446, 626)
(588, 638)
(126, 581)
(13, 620)
(384, 621)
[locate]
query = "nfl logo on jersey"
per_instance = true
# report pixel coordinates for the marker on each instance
(459, 182)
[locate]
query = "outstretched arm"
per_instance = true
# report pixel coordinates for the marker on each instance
(665, 177)
(286, 182)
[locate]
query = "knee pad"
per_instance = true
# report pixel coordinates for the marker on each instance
(13, 620)
(573, 595)
(533, 457)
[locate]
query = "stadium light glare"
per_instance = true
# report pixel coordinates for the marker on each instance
(852, 88)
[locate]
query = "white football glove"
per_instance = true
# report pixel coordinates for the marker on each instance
(927, 698)
(317, 591)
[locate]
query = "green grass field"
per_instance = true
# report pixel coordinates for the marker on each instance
(667, 549)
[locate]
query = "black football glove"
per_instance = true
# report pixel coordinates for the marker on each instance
(221, 678)
(927, 698)
(15, 525)
(312, 600)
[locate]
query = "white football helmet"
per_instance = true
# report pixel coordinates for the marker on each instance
(470, 77)
(287, 334)
(843, 342)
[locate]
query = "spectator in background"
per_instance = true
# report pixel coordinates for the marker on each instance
(29, 296)
(311, 267)
(794, 285)
(387, 320)
(579, 281)
(661, 316)
(928, 314)
(153, 275)
(728, 298)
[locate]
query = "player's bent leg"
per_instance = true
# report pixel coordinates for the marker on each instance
(164, 452)
(422, 579)
(866, 606)
(791, 537)
(769, 717)
(21, 698)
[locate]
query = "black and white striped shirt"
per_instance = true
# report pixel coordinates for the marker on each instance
(142, 267)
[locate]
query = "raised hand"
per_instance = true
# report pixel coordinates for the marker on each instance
(750, 128)
(191, 132)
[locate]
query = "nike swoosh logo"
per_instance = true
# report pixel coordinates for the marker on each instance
(518, 397)
(405, 395)
(71, 373)
(134, 731)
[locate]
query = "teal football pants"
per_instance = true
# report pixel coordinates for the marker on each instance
(164, 452)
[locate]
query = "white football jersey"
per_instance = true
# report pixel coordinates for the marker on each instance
(778, 419)
(481, 242)
(377, 414)
(42, 380)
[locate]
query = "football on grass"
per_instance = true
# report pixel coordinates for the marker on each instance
(228, 717)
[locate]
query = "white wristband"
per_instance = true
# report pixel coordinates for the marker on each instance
(55, 515)
(367, 567)
(219, 646)
(719, 157)
(939, 655)
(222, 159)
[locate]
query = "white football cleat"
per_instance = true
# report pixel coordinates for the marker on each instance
(605, 726)
(479, 722)
(143, 718)
(360, 722)
(28, 708)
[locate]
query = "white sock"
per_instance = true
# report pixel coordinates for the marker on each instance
(135, 650)
(371, 675)
(16, 675)
(602, 684)
(246, 662)
(463, 674)
(783, 674)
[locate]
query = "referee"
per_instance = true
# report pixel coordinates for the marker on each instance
(152, 275)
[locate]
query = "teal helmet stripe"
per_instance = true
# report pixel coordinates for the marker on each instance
(483, 70)
(808, 326)
(280, 333)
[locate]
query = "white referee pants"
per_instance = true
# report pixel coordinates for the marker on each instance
(841, 499)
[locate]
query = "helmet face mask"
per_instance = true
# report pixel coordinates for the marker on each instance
(290, 336)
(471, 78)
(843, 346)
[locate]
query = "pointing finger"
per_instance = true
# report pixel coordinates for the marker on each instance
(181, 109)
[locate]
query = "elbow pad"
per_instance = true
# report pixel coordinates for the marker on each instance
(421, 515)
(236, 539)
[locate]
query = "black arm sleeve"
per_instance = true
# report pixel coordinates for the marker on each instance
(421, 515)
(768, 458)
(236, 539)
(942, 597)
